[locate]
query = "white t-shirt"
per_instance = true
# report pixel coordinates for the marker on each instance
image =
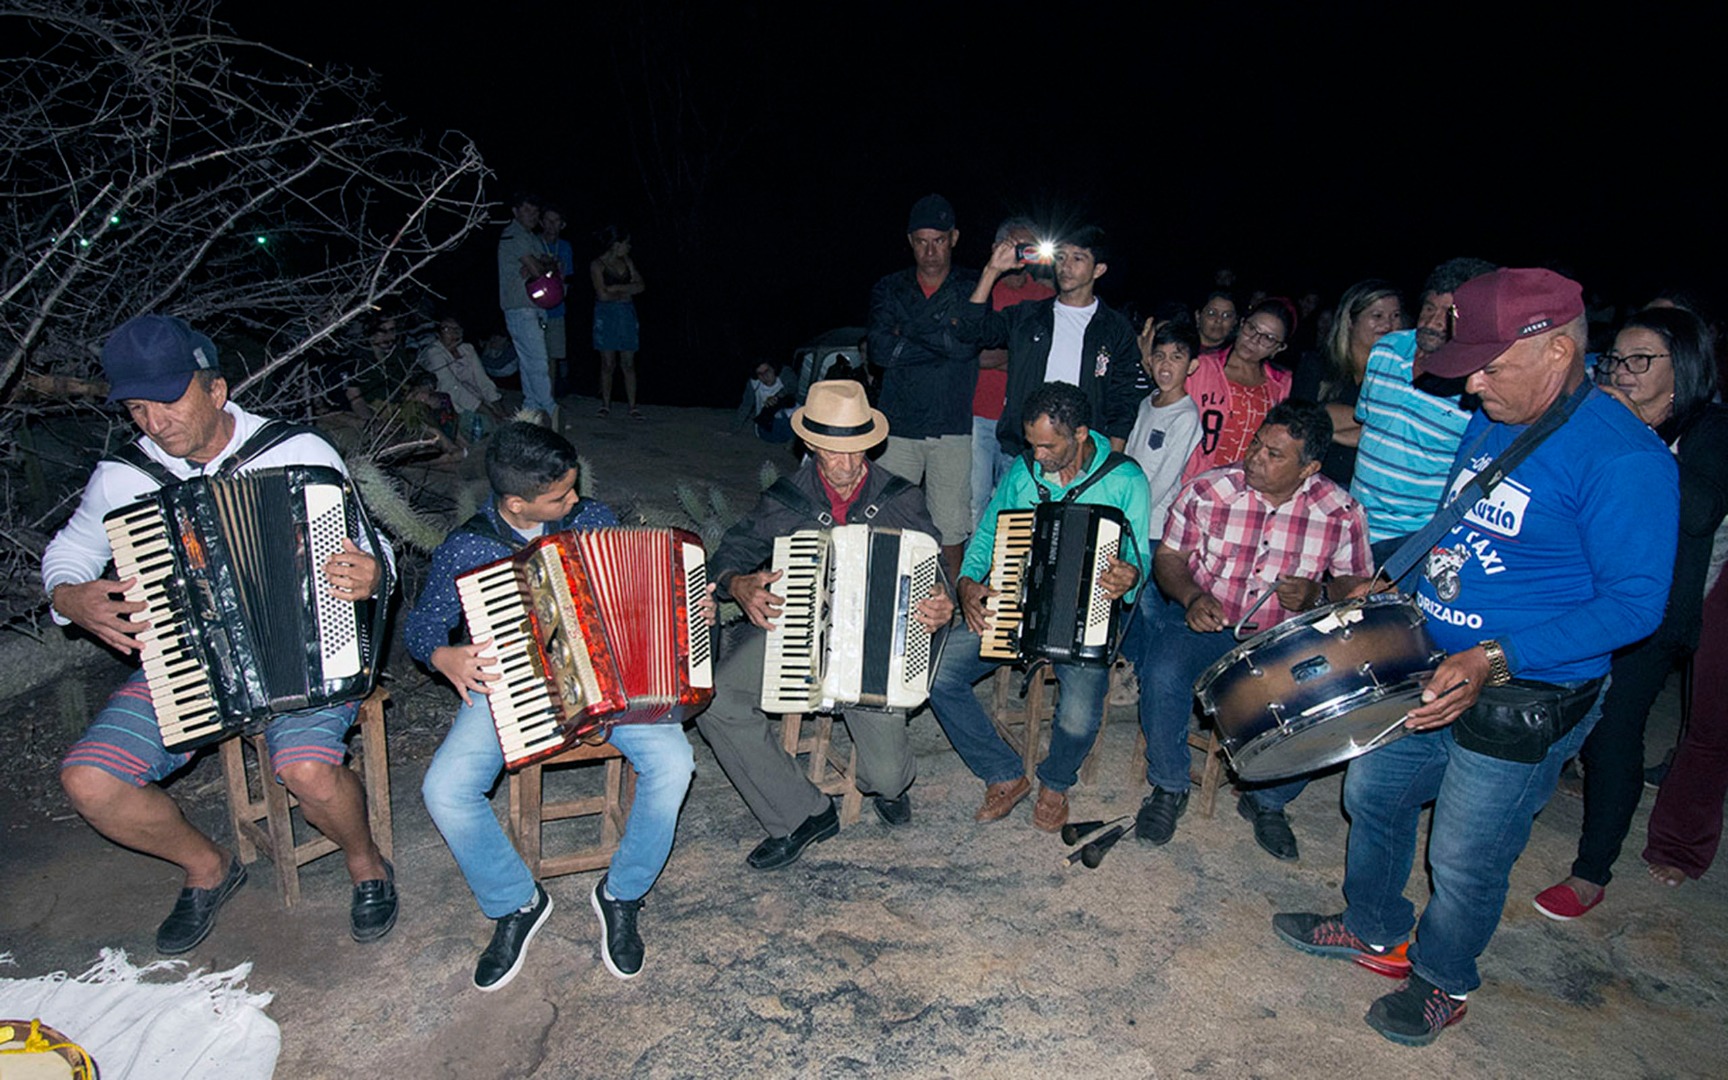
(1066, 342)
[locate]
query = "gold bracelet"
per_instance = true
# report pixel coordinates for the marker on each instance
(1498, 673)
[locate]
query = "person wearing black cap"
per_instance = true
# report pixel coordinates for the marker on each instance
(165, 374)
(1564, 561)
(928, 371)
(837, 484)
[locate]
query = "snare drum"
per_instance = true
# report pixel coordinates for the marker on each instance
(1322, 688)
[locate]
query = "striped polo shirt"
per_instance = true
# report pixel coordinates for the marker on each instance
(1409, 439)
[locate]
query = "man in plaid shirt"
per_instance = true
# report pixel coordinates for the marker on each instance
(1267, 524)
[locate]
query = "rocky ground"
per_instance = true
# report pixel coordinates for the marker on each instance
(944, 949)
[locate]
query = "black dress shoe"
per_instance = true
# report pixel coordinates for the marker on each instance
(1271, 829)
(1156, 822)
(194, 912)
(373, 910)
(778, 851)
(895, 812)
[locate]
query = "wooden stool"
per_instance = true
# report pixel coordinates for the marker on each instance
(1210, 775)
(529, 812)
(827, 769)
(1020, 727)
(274, 806)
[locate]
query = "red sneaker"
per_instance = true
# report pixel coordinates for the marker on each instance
(1561, 904)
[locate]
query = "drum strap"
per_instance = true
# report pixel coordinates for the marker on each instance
(1415, 549)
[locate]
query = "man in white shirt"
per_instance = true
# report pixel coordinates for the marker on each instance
(165, 373)
(1073, 337)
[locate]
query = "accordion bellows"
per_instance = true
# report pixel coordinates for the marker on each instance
(846, 635)
(591, 629)
(242, 625)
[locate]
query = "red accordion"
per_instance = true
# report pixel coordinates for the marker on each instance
(591, 629)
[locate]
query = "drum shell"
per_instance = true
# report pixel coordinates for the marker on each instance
(1295, 669)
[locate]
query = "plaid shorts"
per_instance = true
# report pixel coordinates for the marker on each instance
(124, 740)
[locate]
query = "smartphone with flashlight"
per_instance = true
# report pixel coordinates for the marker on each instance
(1041, 253)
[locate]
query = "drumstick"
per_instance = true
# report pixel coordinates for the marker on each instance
(1459, 685)
(1243, 622)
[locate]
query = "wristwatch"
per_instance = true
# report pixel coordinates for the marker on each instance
(1498, 673)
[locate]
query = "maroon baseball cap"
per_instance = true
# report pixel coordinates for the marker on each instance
(1493, 312)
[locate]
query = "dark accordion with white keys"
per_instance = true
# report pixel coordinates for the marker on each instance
(846, 635)
(591, 629)
(1045, 570)
(242, 623)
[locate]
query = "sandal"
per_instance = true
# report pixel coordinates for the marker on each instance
(636, 414)
(604, 412)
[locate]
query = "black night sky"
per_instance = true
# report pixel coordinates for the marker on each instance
(1305, 146)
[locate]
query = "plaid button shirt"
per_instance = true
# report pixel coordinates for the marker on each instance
(1238, 544)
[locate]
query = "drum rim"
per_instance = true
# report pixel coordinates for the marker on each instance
(1320, 714)
(1272, 635)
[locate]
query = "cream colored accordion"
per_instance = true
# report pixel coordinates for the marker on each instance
(846, 635)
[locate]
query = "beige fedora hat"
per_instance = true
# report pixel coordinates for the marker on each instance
(836, 415)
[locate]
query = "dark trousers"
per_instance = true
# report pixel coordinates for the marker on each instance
(1613, 755)
(1686, 823)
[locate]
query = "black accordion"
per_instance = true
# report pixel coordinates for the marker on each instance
(242, 624)
(1045, 570)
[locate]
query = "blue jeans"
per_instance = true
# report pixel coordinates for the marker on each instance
(467, 766)
(1078, 713)
(989, 465)
(1168, 657)
(1483, 808)
(528, 334)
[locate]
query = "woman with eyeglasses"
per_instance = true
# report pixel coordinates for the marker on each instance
(1236, 388)
(1662, 366)
(1367, 312)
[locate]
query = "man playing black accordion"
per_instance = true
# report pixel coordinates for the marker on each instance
(165, 373)
(836, 485)
(1065, 457)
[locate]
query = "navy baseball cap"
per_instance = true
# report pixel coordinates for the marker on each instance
(153, 358)
(930, 212)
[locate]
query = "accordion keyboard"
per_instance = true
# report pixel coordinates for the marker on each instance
(792, 666)
(524, 707)
(1007, 570)
(180, 689)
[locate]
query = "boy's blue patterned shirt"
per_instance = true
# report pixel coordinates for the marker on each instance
(438, 610)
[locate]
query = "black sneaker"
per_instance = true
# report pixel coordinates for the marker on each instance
(1416, 1013)
(503, 958)
(194, 913)
(778, 851)
(1326, 935)
(1271, 829)
(895, 812)
(1156, 821)
(620, 944)
(372, 912)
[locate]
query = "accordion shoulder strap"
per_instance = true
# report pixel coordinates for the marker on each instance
(1111, 461)
(482, 525)
(271, 433)
(786, 493)
(131, 454)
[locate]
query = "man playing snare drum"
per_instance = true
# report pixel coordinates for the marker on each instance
(1269, 523)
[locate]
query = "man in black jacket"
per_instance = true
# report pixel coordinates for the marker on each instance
(929, 372)
(1073, 337)
(836, 484)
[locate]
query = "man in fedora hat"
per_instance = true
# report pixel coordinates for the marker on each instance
(165, 374)
(836, 485)
(1564, 561)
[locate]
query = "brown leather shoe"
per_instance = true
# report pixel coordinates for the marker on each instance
(999, 798)
(1050, 812)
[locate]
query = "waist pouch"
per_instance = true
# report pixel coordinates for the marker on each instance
(1521, 719)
